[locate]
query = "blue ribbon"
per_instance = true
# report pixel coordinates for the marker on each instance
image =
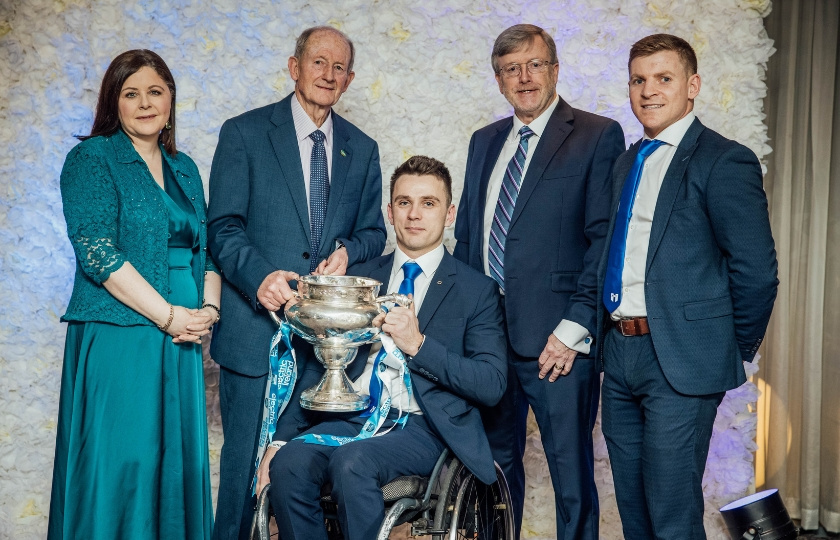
(377, 412)
(278, 391)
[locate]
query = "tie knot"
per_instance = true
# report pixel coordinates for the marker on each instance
(317, 136)
(411, 270)
(525, 132)
(649, 146)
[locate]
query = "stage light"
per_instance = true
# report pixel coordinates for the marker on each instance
(759, 516)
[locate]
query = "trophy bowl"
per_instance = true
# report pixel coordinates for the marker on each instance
(335, 314)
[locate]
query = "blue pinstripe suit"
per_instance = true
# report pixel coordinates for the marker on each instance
(710, 284)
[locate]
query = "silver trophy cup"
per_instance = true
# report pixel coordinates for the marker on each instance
(335, 314)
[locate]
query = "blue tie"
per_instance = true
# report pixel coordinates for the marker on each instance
(410, 272)
(319, 194)
(618, 244)
(511, 184)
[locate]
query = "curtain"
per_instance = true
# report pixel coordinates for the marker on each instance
(799, 375)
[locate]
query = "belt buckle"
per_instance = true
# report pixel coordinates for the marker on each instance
(632, 332)
(621, 327)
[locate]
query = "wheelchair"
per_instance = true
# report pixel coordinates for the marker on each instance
(449, 505)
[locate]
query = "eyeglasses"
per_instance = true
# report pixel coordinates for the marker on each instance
(514, 69)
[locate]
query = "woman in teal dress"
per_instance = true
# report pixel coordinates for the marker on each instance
(131, 458)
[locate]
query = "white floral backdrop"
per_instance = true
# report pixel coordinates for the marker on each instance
(423, 84)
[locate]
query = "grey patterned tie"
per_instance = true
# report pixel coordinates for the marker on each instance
(319, 195)
(503, 215)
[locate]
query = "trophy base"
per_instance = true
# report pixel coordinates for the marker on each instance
(344, 403)
(333, 394)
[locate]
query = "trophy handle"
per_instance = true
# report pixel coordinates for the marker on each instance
(399, 299)
(276, 318)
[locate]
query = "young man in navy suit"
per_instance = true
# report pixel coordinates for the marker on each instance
(533, 215)
(294, 188)
(688, 283)
(454, 345)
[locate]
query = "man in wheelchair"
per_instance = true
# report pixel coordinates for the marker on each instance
(453, 344)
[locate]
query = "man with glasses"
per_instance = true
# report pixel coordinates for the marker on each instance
(294, 189)
(533, 215)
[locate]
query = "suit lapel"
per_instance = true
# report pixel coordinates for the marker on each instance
(622, 169)
(558, 128)
(442, 281)
(619, 176)
(497, 141)
(383, 272)
(341, 158)
(670, 187)
(284, 141)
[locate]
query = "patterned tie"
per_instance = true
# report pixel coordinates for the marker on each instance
(618, 243)
(410, 272)
(511, 184)
(319, 194)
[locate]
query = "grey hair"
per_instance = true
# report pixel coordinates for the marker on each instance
(300, 44)
(518, 36)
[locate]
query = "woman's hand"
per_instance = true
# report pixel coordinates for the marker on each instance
(188, 325)
(262, 472)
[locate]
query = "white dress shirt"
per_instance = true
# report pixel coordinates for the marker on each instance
(429, 264)
(638, 232)
(570, 333)
(304, 127)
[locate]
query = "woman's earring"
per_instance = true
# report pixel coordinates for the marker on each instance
(168, 126)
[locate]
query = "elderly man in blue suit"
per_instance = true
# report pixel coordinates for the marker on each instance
(455, 351)
(689, 280)
(294, 189)
(533, 215)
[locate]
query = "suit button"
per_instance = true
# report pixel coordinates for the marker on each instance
(305, 254)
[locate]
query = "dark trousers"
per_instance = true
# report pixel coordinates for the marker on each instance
(658, 440)
(240, 399)
(565, 411)
(356, 471)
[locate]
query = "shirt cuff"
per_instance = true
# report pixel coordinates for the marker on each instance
(573, 336)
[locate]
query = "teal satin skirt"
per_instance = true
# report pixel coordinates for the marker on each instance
(131, 459)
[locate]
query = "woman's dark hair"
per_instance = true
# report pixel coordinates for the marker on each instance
(107, 119)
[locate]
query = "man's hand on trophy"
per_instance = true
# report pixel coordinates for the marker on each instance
(274, 291)
(401, 324)
(335, 264)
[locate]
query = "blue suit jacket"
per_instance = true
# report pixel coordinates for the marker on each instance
(461, 364)
(558, 227)
(710, 277)
(258, 219)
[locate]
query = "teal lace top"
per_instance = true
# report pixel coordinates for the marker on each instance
(115, 213)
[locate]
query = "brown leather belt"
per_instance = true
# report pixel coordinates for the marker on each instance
(633, 326)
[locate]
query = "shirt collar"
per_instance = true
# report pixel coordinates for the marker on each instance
(304, 126)
(538, 124)
(674, 133)
(428, 262)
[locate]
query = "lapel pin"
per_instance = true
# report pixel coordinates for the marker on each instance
(440, 283)
(343, 154)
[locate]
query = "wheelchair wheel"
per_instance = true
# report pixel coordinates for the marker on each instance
(467, 508)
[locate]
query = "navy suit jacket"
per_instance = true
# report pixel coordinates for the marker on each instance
(461, 364)
(710, 276)
(258, 219)
(558, 226)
